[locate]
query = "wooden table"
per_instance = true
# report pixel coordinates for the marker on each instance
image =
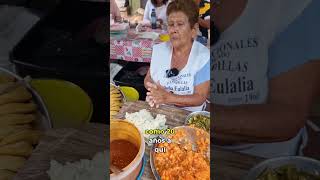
(226, 165)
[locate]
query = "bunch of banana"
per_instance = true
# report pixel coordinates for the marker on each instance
(115, 101)
(17, 136)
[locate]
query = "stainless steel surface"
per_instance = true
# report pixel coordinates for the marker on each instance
(122, 94)
(45, 120)
(205, 113)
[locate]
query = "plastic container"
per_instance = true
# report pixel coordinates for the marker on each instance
(164, 37)
(130, 93)
(153, 19)
(142, 168)
(128, 76)
(69, 106)
(120, 129)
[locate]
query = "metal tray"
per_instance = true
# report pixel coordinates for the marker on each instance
(191, 135)
(44, 121)
(302, 163)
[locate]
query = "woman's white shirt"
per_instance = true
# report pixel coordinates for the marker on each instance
(195, 72)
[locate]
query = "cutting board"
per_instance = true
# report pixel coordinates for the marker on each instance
(64, 145)
(175, 116)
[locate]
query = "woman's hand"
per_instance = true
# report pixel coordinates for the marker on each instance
(147, 82)
(150, 101)
(157, 94)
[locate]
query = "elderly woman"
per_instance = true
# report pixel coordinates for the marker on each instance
(179, 73)
(265, 75)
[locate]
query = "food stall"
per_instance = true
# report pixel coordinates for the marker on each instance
(224, 164)
(149, 162)
(131, 47)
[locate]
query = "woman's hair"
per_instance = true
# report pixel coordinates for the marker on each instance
(188, 7)
(154, 2)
